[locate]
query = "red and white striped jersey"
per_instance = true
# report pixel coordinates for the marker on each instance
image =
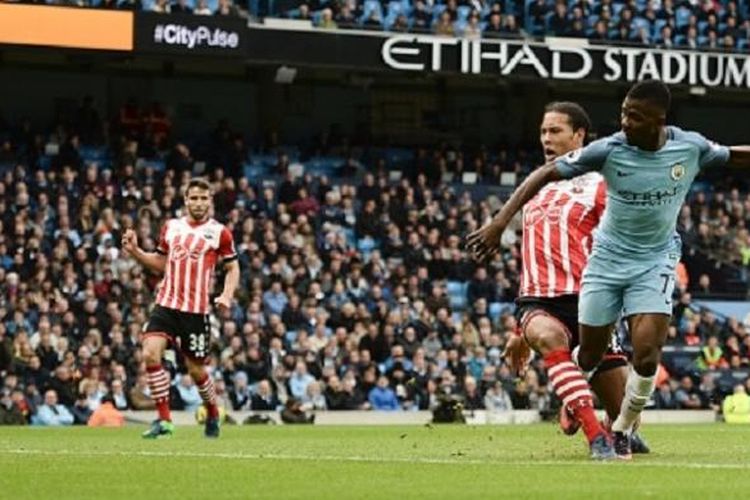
(558, 224)
(192, 251)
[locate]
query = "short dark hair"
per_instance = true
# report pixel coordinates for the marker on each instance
(578, 117)
(653, 91)
(198, 182)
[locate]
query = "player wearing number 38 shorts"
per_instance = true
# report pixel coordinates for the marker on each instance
(188, 251)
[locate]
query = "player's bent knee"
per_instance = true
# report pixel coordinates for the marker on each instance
(546, 335)
(646, 366)
(196, 369)
(552, 341)
(152, 352)
(152, 357)
(646, 359)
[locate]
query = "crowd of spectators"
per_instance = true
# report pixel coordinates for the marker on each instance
(687, 24)
(707, 25)
(356, 292)
(718, 227)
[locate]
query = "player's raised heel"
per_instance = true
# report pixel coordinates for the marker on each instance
(601, 448)
(159, 429)
(568, 423)
(622, 445)
(638, 445)
(212, 428)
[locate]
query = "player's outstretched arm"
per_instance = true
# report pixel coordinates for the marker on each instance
(485, 241)
(231, 282)
(739, 156)
(152, 260)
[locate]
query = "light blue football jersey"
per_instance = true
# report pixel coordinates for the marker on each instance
(645, 189)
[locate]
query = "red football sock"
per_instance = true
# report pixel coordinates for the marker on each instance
(208, 394)
(158, 382)
(573, 390)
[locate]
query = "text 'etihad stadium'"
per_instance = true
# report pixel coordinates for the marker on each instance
(425, 53)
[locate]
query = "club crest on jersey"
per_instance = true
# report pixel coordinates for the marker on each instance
(208, 236)
(678, 171)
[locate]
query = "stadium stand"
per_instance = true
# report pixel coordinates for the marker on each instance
(364, 242)
(708, 25)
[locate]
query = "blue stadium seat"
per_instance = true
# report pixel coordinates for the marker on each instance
(658, 25)
(681, 17)
(157, 165)
(456, 317)
(437, 10)
(290, 336)
(45, 162)
(351, 238)
(398, 157)
(495, 310)
(268, 160)
(255, 171)
(395, 8)
(463, 12)
(366, 245)
(454, 287)
(316, 16)
(640, 22)
(323, 165)
(511, 7)
(93, 154)
(457, 302)
(7, 167)
(457, 294)
(369, 7)
(291, 151)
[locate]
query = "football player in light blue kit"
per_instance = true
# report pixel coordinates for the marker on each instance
(649, 168)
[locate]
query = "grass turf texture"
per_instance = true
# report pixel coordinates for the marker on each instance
(698, 461)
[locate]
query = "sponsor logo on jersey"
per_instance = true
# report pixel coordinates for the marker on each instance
(179, 252)
(649, 198)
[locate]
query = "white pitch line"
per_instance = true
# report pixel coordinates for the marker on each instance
(359, 458)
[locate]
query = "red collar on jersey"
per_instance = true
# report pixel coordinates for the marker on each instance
(194, 224)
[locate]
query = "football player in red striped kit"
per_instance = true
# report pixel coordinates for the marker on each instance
(557, 237)
(187, 253)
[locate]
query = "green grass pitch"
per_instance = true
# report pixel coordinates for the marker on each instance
(697, 461)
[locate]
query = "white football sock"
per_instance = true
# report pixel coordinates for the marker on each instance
(637, 393)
